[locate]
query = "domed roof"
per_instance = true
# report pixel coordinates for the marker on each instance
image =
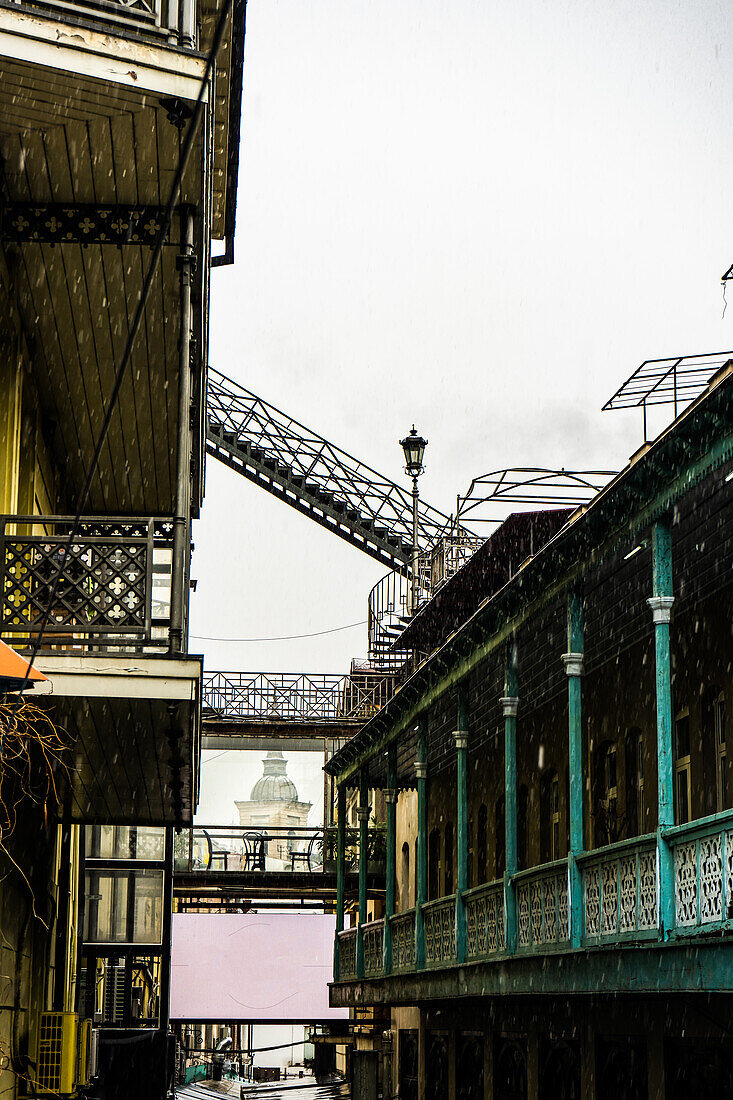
(274, 786)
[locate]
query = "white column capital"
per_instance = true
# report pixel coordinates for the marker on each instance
(421, 769)
(573, 663)
(390, 795)
(461, 739)
(510, 705)
(661, 608)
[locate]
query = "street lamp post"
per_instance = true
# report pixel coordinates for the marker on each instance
(414, 446)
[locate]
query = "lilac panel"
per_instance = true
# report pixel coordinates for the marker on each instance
(272, 966)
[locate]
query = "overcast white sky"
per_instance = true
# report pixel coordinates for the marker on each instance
(480, 216)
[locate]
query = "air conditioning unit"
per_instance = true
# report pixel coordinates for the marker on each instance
(84, 1055)
(57, 1052)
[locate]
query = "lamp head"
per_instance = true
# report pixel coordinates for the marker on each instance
(414, 447)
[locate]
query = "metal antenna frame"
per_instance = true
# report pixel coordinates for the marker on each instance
(676, 381)
(537, 486)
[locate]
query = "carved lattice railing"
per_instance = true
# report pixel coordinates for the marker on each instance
(403, 940)
(373, 933)
(347, 954)
(484, 920)
(294, 697)
(703, 873)
(620, 890)
(542, 905)
(113, 589)
(439, 920)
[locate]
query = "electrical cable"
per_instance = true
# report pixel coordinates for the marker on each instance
(282, 638)
(183, 159)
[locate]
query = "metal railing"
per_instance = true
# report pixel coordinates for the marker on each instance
(439, 918)
(114, 582)
(484, 920)
(403, 940)
(703, 874)
(620, 889)
(373, 933)
(542, 905)
(347, 953)
(230, 849)
(294, 697)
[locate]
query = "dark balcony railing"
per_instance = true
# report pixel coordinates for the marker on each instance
(216, 849)
(109, 589)
(294, 697)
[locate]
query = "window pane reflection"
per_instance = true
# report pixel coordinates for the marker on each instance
(123, 906)
(125, 842)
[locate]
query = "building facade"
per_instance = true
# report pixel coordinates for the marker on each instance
(559, 889)
(100, 477)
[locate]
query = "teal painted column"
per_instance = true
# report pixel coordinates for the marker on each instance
(362, 813)
(390, 797)
(661, 605)
(461, 739)
(510, 704)
(340, 875)
(573, 661)
(421, 774)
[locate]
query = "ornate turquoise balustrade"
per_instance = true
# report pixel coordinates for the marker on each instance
(347, 953)
(403, 940)
(542, 906)
(702, 853)
(484, 920)
(440, 931)
(620, 891)
(373, 947)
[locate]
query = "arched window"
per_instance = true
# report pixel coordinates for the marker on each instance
(434, 864)
(683, 788)
(605, 795)
(469, 867)
(414, 875)
(500, 834)
(448, 875)
(549, 817)
(721, 758)
(482, 855)
(635, 812)
(405, 877)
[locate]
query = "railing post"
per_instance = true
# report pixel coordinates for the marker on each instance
(421, 774)
(661, 605)
(573, 661)
(510, 704)
(461, 739)
(362, 812)
(390, 797)
(340, 875)
(181, 518)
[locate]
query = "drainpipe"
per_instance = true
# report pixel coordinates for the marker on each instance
(510, 704)
(182, 516)
(340, 876)
(573, 661)
(661, 605)
(390, 797)
(461, 740)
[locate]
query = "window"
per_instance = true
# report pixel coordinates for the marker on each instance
(721, 761)
(405, 877)
(500, 833)
(605, 802)
(469, 865)
(123, 906)
(635, 812)
(683, 792)
(482, 855)
(434, 864)
(549, 817)
(124, 842)
(448, 876)
(522, 812)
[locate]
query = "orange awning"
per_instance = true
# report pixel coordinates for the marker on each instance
(13, 670)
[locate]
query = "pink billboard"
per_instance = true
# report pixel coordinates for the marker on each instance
(253, 967)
